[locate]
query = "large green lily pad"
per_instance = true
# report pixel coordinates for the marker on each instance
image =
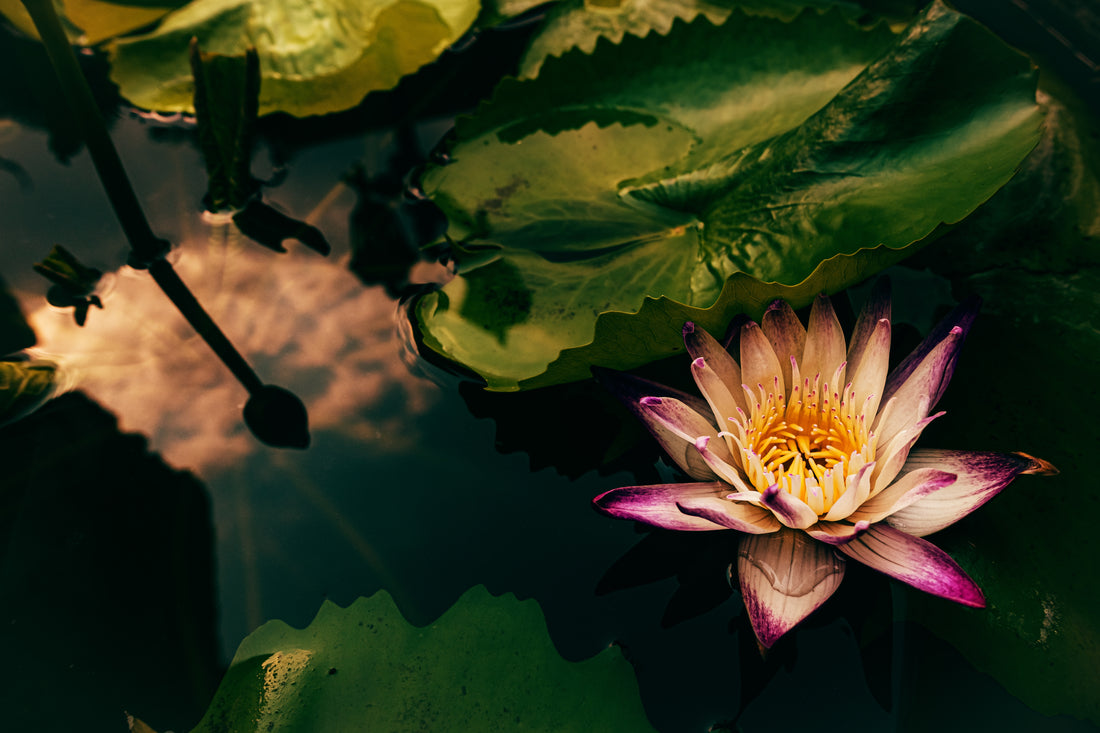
(315, 57)
(487, 664)
(699, 174)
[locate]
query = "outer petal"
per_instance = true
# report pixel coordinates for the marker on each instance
(657, 504)
(874, 310)
(916, 562)
(723, 470)
(909, 488)
(786, 334)
(739, 515)
(722, 402)
(676, 427)
(825, 348)
(701, 344)
(784, 577)
(954, 328)
(759, 364)
(980, 477)
(913, 400)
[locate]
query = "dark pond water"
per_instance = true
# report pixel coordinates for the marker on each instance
(145, 532)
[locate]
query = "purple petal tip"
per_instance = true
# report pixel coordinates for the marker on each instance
(650, 401)
(689, 327)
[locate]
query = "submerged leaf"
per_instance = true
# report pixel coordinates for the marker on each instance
(315, 57)
(704, 173)
(227, 95)
(61, 267)
(486, 664)
(24, 387)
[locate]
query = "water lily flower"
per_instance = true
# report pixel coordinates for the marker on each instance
(805, 445)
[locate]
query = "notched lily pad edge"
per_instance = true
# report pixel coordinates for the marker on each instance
(466, 125)
(741, 294)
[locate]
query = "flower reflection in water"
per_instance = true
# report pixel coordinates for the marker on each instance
(805, 445)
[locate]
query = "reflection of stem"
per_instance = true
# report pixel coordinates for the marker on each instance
(145, 244)
(323, 205)
(174, 288)
(148, 250)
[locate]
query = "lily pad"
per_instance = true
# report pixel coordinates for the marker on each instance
(578, 24)
(486, 664)
(315, 58)
(702, 173)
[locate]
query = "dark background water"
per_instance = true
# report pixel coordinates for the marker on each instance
(145, 533)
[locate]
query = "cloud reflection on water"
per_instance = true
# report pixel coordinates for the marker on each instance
(304, 322)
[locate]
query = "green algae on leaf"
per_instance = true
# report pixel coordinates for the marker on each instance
(315, 58)
(702, 173)
(486, 664)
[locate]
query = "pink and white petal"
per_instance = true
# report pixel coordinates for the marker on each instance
(952, 329)
(980, 477)
(825, 347)
(837, 533)
(788, 509)
(786, 334)
(909, 487)
(874, 310)
(857, 491)
(658, 505)
(717, 392)
(676, 427)
(868, 374)
(759, 364)
(914, 561)
(726, 471)
(895, 453)
(701, 344)
(914, 399)
(784, 577)
(742, 516)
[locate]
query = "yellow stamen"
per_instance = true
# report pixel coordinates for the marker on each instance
(809, 445)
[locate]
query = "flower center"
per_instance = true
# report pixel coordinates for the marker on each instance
(812, 446)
